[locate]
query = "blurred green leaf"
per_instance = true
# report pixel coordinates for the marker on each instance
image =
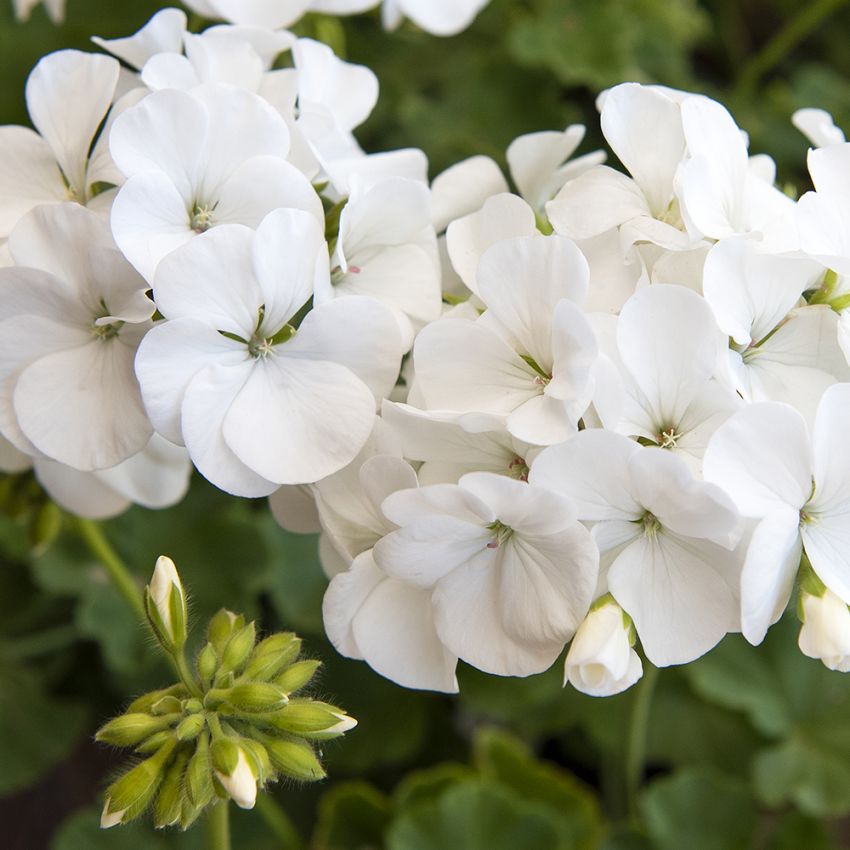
(698, 811)
(351, 816)
(426, 785)
(474, 816)
(502, 758)
(36, 731)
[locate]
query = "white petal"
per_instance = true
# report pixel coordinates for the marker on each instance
(163, 33)
(294, 508)
(463, 188)
(535, 158)
(81, 493)
(344, 598)
(762, 474)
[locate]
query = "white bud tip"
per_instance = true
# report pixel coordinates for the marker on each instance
(109, 819)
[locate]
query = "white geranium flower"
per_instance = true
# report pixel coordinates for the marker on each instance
(257, 402)
(668, 347)
(55, 9)
(823, 216)
(273, 14)
(73, 313)
(818, 127)
(387, 249)
(529, 357)
(512, 571)
(196, 160)
(777, 353)
(825, 633)
(386, 621)
(601, 661)
(643, 126)
(799, 489)
(163, 33)
(449, 445)
(157, 477)
(68, 96)
(723, 193)
(666, 536)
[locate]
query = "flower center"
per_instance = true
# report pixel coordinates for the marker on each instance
(201, 218)
(668, 438)
(260, 346)
(106, 332)
(518, 469)
(542, 377)
(651, 525)
(501, 534)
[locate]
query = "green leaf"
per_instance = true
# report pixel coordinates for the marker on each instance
(698, 811)
(427, 785)
(37, 731)
(474, 816)
(351, 816)
(503, 759)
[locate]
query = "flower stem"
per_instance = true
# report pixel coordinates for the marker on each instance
(279, 823)
(800, 26)
(638, 733)
(93, 536)
(217, 826)
(185, 674)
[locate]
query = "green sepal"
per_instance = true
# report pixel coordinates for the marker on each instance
(297, 676)
(199, 785)
(271, 655)
(168, 806)
(237, 650)
(131, 729)
(295, 759)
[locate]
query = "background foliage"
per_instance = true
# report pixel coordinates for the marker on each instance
(747, 748)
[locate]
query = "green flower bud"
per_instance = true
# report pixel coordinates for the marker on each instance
(190, 727)
(237, 650)
(225, 755)
(221, 626)
(207, 663)
(259, 760)
(146, 703)
(165, 603)
(240, 783)
(167, 705)
(131, 729)
(252, 696)
(199, 785)
(168, 805)
(297, 676)
(295, 759)
(271, 655)
(152, 744)
(130, 795)
(193, 706)
(310, 719)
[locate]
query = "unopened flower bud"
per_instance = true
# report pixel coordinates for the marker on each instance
(240, 783)
(207, 663)
(190, 727)
(152, 744)
(199, 785)
(297, 676)
(254, 696)
(168, 804)
(130, 729)
(826, 629)
(310, 719)
(271, 655)
(146, 702)
(237, 650)
(258, 756)
(295, 759)
(165, 602)
(601, 661)
(167, 705)
(221, 627)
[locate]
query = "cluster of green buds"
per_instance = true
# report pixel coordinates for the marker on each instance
(228, 728)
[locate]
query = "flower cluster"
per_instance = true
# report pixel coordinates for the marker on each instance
(439, 17)
(602, 410)
(224, 730)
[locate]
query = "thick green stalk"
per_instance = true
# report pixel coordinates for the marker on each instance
(279, 823)
(217, 826)
(809, 17)
(93, 536)
(638, 733)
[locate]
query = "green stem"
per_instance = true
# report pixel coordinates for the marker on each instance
(121, 576)
(218, 826)
(279, 823)
(638, 733)
(185, 674)
(800, 26)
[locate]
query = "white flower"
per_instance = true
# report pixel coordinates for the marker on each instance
(73, 313)
(165, 579)
(512, 572)
(799, 489)
(55, 9)
(68, 96)
(156, 477)
(668, 347)
(665, 535)
(241, 785)
(601, 661)
(257, 402)
(825, 633)
(818, 127)
(196, 160)
(163, 33)
(259, 13)
(529, 357)
(643, 126)
(387, 249)
(438, 17)
(823, 216)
